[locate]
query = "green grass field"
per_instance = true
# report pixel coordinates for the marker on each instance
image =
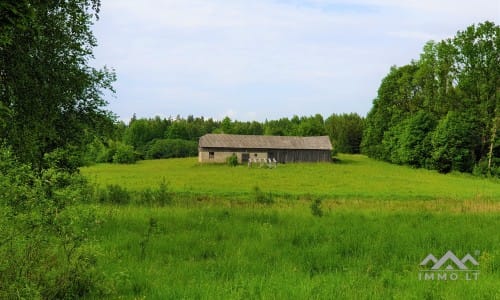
(216, 241)
(356, 177)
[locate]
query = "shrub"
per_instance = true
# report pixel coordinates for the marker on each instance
(45, 249)
(116, 194)
(232, 160)
(124, 154)
(261, 197)
(65, 159)
(161, 196)
(316, 208)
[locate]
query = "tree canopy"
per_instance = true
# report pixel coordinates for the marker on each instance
(442, 111)
(50, 97)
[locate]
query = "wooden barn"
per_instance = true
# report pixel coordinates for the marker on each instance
(215, 148)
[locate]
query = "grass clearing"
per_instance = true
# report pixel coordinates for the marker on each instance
(364, 239)
(356, 177)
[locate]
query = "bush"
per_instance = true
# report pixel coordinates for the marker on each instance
(161, 196)
(116, 194)
(316, 208)
(45, 249)
(261, 197)
(232, 160)
(124, 154)
(481, 169)
(66, 159)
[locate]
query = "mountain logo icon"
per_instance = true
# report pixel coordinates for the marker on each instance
(449, 262)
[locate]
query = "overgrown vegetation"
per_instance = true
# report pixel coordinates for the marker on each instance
(316, 208)
(357, 249)
(262, 197)
(47, 247)
(51, 107)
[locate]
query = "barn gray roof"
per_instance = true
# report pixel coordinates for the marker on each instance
(265, 142)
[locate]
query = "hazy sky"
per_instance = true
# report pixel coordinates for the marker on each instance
(258, 59)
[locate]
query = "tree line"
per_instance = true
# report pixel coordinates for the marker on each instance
(442, 111)
(153, 138)
(438, 112)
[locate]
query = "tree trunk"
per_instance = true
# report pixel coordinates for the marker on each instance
(492, 141)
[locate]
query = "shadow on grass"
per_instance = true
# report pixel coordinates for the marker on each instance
(344, 161)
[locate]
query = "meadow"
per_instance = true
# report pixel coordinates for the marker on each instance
(351, 230)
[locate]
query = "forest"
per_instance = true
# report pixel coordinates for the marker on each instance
(442, 111)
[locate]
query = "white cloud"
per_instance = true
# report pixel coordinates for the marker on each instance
(192, 56)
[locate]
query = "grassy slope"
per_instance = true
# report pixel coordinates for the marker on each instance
(379, 222)
(356, 177)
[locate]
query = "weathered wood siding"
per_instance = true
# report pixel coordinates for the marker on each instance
(284, 156)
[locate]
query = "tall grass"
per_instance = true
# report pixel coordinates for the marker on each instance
(266, 252)
(353, 230)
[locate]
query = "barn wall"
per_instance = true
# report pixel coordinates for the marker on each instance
(220, 155)
(282, 156)
(287, 156)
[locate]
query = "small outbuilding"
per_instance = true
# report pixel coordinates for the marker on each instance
(216, 148)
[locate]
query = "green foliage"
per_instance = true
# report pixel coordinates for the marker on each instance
(156, 197)
(140, 132)
(111, 151)
(54, 97)
(316, 208)
(346, 132)
(66, 159)
(115, 194)
(171, 148)
(262, 197)
(454, 141)
(415, 140)
(163, 194)
(232, 160)
(159, 196)
(96, 152)
(153, 224)
(124, 154)
(46, 250)
(312, 126)
(440, 111)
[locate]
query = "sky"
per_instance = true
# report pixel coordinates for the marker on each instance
(266, 59)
